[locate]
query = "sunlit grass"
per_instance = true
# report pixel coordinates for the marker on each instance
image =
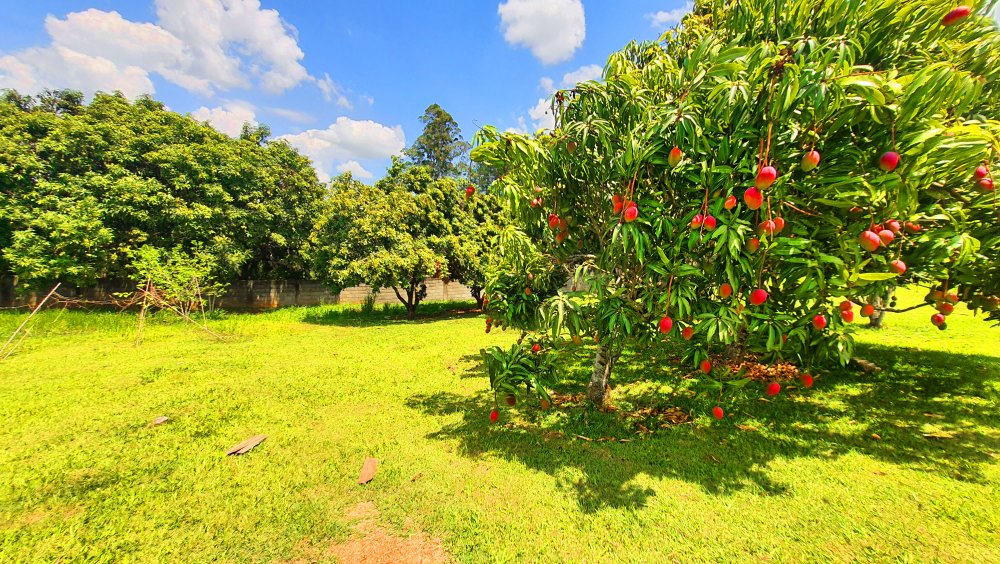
(901, 464)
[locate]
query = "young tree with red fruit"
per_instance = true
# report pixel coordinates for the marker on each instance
(806, 132)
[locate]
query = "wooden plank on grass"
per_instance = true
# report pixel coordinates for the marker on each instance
(368, 471)
(247, 445)
(160, 420)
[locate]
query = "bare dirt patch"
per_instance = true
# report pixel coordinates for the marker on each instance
(371, 543)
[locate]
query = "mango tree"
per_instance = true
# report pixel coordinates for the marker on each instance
(745, 183)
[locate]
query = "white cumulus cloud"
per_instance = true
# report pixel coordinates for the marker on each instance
(347, 140)
(355, 168)
(552, 29)
(582, 74)
(228, 118)
(541, 115)
(663, 19)
(203, 46)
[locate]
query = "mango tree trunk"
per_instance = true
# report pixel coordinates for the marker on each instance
(599, 390)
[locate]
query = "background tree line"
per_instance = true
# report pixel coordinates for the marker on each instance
(90, 192)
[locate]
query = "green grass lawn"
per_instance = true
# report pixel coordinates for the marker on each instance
(902, 464)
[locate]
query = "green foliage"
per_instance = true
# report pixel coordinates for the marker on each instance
(518, 367)
(83, 187)
(186, 281)
(738, 87)
(440, 145)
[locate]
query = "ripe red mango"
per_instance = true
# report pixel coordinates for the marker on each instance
(758, 297)
(897, 266)
(766, 177)
(675, 156)
(886, 236)
(710, 223)
(725, 290)
(889, 161)
(779, 224)
(706, 366)
(631, 213)
(697, 220)
(847, 315)
(870, 241)
(730, 203)
(981, 172)
(807, 380)
(494, 415)
(753, 244)
(846, 305)
(893, 225)
(718, 413)
(666, 324)
(867, 310)
(687, 333)
(536, 348)
(819, 322)
(809, 161)
(985, 184)
(618, 202)
(553, 221)
(753, 198)
(956, 15)
(773, 388)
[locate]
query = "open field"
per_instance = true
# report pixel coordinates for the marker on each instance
(902, 464)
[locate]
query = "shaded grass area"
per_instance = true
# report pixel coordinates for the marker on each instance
(904, 463)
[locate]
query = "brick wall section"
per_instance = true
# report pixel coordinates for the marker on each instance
(269, 294)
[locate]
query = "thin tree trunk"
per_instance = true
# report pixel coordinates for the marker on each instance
(599, 390)
(411, 306)
(477, 293)
(880, 303)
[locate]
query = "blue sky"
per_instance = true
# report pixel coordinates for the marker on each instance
(344, 81)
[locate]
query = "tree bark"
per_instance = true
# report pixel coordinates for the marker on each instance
(599, 390)
(880, 303)
(477, 293)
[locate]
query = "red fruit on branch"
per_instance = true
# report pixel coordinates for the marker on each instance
(937, 320)
(527, 291)
(718, 413)
(886, 236)
(696, 221)
(767, 228)
(897, 266)
(511, 400)
(819, 322)
(912, 227)
(494, 415)
(709, 223)
(631, 212)
(753, 244)
(553, 221)
(807, 380)
(666, 324)
(536, 348)
(867, 310)
(705, 366)
(753, 198)
(945, 308)
(773, 388)
(809, 161)
(470, 191)
(956, 15)
(726, 290)
(730, 203)
(893, 225)
(869, 241)
(779, 224)
(986, 184)
(687, 333)
(951, 297)
(535, 202)
(847, 315)
(766, 177)
(889, 161)
(618, 202)
(981, 172)
(675, 156)
(758, 297)
(846, 305)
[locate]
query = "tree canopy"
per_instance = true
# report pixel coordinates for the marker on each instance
(84, 186)
(725, 183)
(440, 144)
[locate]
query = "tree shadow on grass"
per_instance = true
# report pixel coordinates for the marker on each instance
(353, 316)
(930, 411)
